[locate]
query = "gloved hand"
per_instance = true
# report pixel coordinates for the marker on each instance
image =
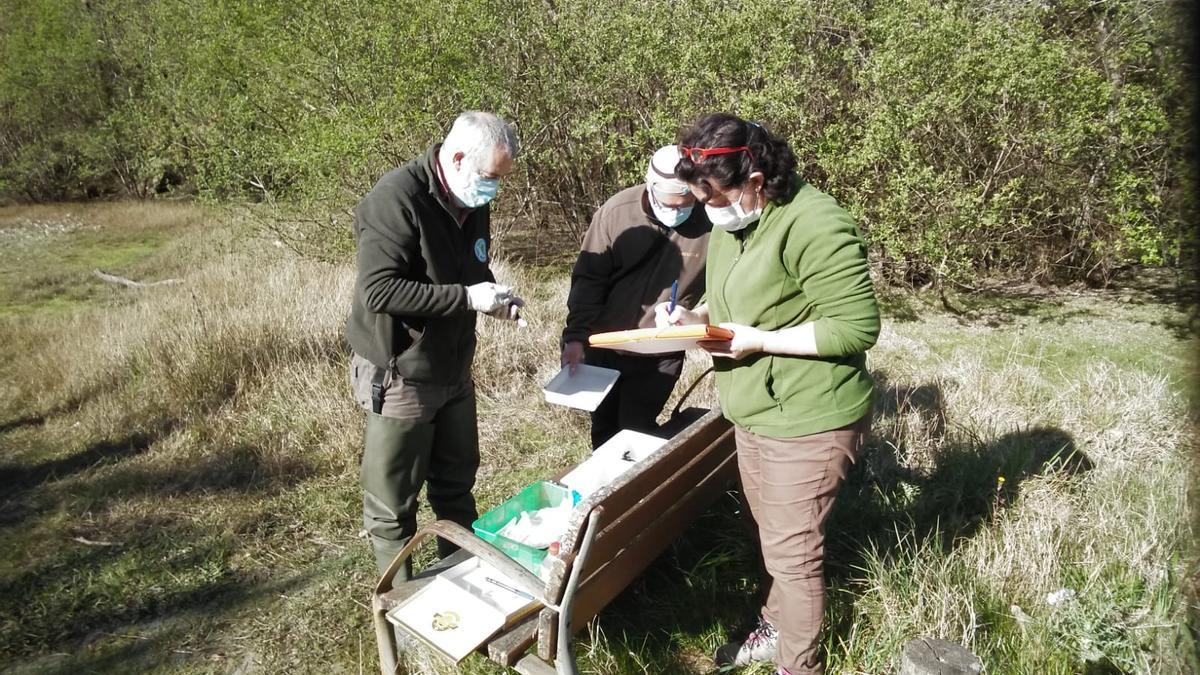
(572, 356)
(487, 297)
(680, 316)
(510, 309)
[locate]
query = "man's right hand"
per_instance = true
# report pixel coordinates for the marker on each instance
(486, 297)
(572, 356)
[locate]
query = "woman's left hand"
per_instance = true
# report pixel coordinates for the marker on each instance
(746, 340)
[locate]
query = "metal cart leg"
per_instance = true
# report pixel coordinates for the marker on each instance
(564, 660)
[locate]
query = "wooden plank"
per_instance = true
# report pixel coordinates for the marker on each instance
(548, 635)
(609, 580)
(508, 647)
(640, 548)
(655, 501)
(532, 665)
(662, 462)
(647, 507)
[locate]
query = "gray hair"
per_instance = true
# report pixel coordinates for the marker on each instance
(477, 134)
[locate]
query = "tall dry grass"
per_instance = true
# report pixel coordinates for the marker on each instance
(207, 428)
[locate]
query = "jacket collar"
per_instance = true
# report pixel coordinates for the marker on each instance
(437, 188)
(794, 187)
(432, 175)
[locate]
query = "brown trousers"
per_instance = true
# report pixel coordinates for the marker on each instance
(790, 485)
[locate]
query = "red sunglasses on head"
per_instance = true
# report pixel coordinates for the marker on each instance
(698, 155)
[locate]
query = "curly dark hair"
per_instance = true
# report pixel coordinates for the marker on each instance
(771, 155)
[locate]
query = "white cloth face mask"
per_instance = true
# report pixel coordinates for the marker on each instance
(733, 217)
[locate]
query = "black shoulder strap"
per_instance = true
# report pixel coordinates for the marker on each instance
(377, 390)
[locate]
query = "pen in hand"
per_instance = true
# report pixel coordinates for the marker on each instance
(674, 293)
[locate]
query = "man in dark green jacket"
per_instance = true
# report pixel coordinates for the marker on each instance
(424, 241)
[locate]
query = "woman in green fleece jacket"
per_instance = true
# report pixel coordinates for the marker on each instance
(787, 272)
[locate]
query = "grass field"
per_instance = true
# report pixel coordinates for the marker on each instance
(180, 489)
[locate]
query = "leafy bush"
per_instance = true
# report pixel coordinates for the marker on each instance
(1044, 139)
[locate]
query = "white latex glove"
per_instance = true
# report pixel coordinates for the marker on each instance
(680, 316)
(487, 297)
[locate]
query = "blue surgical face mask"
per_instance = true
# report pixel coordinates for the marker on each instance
(669, 216)
(472, 189)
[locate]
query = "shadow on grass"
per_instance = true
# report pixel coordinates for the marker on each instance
(948, 490)
(32, 490)
(70, 404)
(147, 572)
(241, 468)
(19, 477)
(894, 499)
(20, 422)
(710, 582)
(20, 480)
(130, 607)
(993, 307)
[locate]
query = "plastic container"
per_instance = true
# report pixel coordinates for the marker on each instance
(539, 495)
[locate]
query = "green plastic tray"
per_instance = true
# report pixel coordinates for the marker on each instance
(539, 495)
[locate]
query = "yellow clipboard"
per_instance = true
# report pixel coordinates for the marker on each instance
(660, 340)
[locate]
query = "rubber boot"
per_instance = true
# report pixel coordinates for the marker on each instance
(453, 465)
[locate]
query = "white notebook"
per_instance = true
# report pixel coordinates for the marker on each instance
(583, 390)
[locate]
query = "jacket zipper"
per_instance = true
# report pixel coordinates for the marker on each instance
(741, 242)
(463, 239)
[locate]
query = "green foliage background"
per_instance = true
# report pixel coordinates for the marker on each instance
(1045, 139)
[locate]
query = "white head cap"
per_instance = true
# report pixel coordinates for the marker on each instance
(660, 174)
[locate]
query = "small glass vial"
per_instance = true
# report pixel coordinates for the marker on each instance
(548, 561)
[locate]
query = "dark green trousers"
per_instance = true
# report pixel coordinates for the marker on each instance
(425, 436)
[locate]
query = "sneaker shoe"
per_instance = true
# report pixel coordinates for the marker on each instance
(760, 645)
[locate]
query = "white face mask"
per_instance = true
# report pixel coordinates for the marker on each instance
(671, 217)
(733, 217)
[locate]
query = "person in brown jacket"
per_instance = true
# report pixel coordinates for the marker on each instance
(641, 242)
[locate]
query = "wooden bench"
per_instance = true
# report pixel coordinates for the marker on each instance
(613, 536)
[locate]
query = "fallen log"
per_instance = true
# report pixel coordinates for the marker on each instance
(129, 283)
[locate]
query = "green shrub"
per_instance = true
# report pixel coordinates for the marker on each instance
(1040, 139)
